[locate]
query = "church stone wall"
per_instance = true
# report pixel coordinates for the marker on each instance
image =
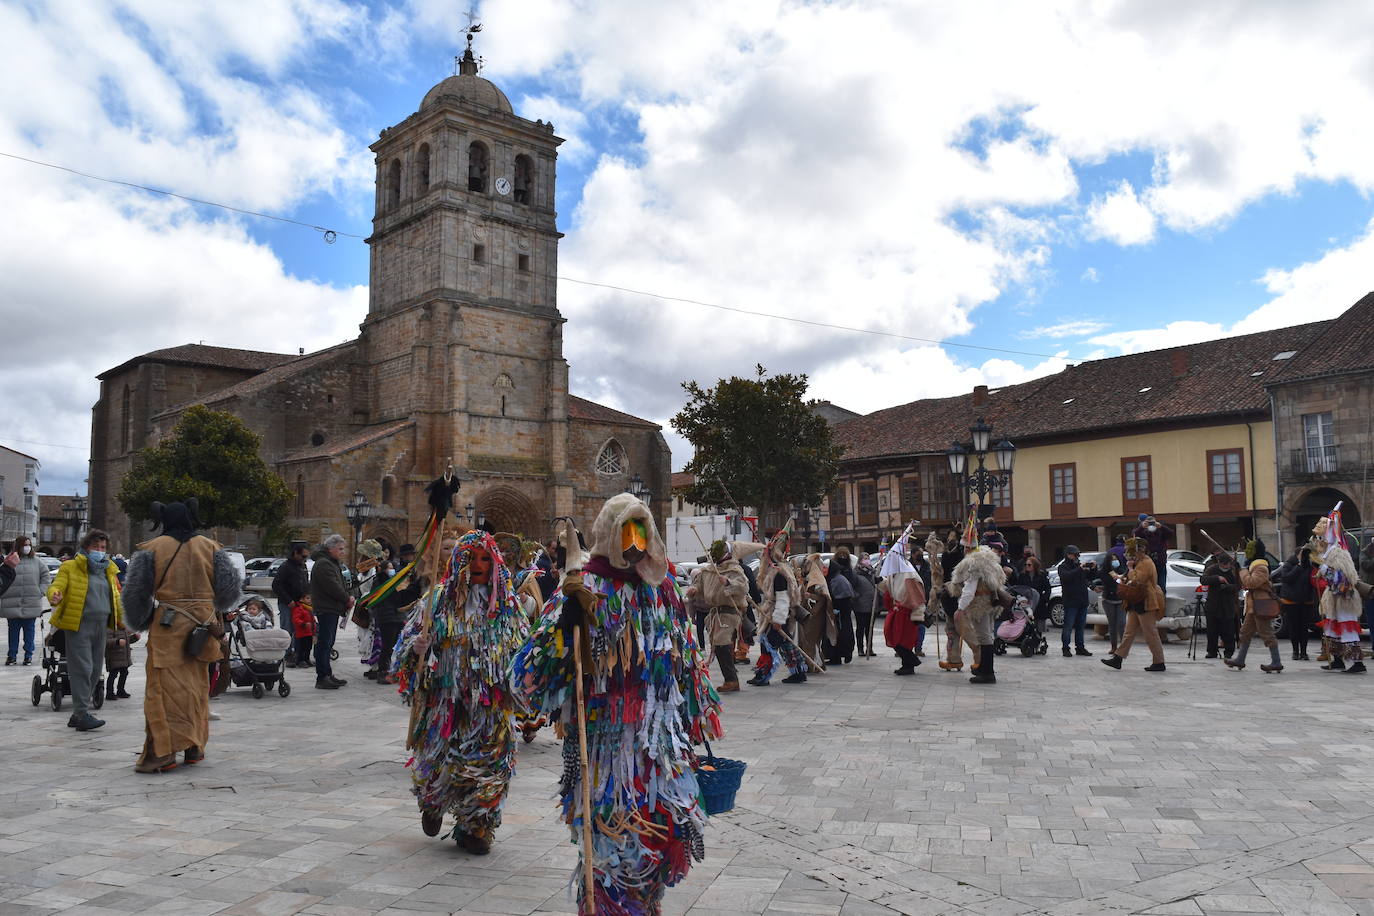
(647, 455)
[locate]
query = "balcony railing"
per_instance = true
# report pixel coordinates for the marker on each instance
(1321, 460)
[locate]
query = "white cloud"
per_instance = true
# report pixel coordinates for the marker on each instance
(1121, 217)
(1318, 289)
(1090, 275)
(891, 375)
(180, 96)
(1174, 334)
(1067, 329)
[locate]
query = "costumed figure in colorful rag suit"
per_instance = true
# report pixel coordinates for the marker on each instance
(648, 700)
(531, 601)
(177, 583)
(978, 585)
(905, 599)
(781, 612)
(453, 664)
(1341, 589)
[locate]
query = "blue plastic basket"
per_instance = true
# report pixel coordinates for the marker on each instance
(718, 786)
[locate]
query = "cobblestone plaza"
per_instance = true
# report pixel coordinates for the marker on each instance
(1065, 789)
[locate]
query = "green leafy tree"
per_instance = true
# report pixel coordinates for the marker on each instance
(212, 456)
(757, 440)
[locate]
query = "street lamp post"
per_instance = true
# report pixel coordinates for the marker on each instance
(981, 481)
(81, 515)
(803, 514)
(357, 510)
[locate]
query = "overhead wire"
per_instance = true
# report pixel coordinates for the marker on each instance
(331, 234)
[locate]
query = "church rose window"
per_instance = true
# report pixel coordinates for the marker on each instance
(611, 461)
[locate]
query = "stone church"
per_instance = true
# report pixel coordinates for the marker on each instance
(460, 356)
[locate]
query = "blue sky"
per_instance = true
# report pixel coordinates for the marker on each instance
(1080, 180)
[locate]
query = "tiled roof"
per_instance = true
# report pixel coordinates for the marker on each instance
(201, 355)
(682, 480)
(1346, 345)
(583, 409)
(1216, 378)
(265, 379)
(363, 437)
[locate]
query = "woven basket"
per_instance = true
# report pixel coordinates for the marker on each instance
(718, 786)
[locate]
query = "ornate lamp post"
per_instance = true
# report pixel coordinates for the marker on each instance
(637, 489)
(81, 515)
(357, 510)
(981, 481)
(475, 517)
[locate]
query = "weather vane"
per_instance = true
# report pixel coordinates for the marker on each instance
(473, 28)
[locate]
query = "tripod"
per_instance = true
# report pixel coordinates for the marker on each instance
(1198, 623)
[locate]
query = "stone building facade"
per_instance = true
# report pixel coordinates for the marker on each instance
(1323, 404)
(460, 357)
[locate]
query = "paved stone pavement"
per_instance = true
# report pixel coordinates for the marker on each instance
(1066, 789)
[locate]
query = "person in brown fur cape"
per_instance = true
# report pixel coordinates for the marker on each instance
(1145, 603)
(178, 583)
(979, 586)
(781, 612)
(821, 624)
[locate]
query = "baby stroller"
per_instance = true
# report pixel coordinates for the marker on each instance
(54, 679)
(258, 657)
(1017, 626)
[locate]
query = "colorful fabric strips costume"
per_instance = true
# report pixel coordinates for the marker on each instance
(649, 699)
(1340, 599)
(453, 663)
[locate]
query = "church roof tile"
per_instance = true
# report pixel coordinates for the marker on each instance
(583, 409)
(201, 355)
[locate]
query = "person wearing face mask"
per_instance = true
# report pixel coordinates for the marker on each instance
(453, 663)
(22, 604)
(1156, 536)
(649, 697)
(86, 607)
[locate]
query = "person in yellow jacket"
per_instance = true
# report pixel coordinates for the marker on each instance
(86, 607)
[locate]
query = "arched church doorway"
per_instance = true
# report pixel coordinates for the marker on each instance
(510, 510)
(1319, 502)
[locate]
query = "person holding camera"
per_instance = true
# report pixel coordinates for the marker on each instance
(178, 587)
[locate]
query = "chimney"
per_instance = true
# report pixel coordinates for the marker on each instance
(980, 395)
(1178, 363)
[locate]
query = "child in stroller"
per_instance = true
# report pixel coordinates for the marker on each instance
(257, 649)
(1017, 627)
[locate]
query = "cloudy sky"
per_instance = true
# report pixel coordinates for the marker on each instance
(999, 188)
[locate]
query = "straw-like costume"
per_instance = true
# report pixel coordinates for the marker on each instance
(1340, 595)
(649, 699)
(453, 664)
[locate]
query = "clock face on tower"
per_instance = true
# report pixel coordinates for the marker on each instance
(503, 186)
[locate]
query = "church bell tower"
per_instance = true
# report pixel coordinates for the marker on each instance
(463, 336)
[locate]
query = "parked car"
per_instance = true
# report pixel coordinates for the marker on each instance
(259, 578)
(1191, 556)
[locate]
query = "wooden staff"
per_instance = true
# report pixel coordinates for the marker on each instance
(439, 534)
(588, 872)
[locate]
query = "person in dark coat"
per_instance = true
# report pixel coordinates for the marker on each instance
(1073, 583)
(1104, 582)
(1223, 602)
(330, 600)
(7, 571)
(289, 585)
(865, 598)
(840, 579)
(389, 614)
(1033, 576)
(1298, 597)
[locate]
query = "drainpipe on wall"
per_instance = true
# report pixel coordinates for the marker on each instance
(1278, 476)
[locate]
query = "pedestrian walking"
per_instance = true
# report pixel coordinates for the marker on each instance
(1261, 607)
(724, 590)
(86, 606)
(22, 604)
(330, 600)
(1073, 582)
(1144, 605)
(865, 598)
(291, 585)
(979, 583)
(1298, 597)
(178, 587)
(1105, 583)
(840, 581)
